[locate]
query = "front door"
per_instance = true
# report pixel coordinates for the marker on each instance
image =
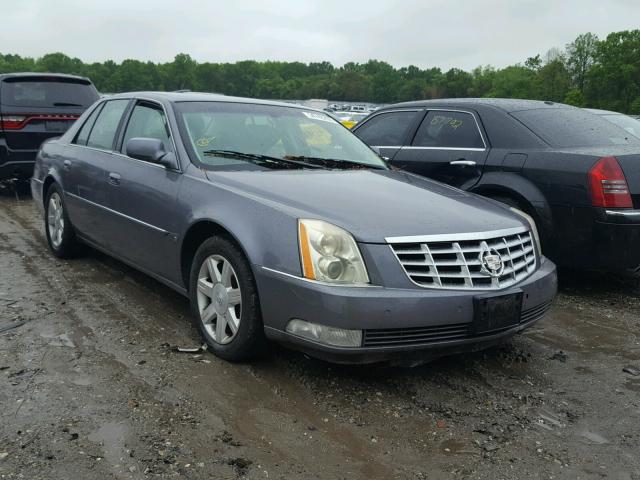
(448, 146)
(143, 197)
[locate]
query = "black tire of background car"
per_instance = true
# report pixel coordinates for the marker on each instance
(69, 247)
(250, 341)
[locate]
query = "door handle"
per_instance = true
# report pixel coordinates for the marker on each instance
(114, 178)
(66, 164)
(463, 163)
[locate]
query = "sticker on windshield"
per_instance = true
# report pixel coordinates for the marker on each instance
(318, 116)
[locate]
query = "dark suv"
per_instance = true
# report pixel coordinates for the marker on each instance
(33, 108)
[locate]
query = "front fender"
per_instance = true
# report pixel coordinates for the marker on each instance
(267, 234)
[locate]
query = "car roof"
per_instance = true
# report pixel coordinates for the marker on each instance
(4, 76)
(177, 97)
(507, 104)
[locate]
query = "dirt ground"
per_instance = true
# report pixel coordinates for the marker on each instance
(90, 387)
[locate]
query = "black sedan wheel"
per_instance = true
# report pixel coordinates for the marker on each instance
(224, 301)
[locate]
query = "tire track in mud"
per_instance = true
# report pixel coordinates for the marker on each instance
(252, 397)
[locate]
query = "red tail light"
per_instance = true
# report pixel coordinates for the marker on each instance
(12, 122)
(608, 185)
(18, 122)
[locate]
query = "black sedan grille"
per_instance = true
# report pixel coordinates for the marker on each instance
(392, 337)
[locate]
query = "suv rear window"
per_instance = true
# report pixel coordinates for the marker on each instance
(573, 127)
(47, 92)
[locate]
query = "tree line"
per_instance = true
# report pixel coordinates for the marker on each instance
(588, 72)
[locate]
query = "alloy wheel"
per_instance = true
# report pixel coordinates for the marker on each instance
(55, 219)
(219, 299)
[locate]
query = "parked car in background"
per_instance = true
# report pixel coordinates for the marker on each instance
(629, 123)
(575, 173)
(349, 119)
(278, 223)
(33, 108)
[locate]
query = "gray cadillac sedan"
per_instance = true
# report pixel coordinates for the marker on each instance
(280, 224)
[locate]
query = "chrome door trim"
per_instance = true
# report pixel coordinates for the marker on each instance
(140, 222)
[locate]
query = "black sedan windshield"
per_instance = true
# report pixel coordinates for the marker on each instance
(278, 132)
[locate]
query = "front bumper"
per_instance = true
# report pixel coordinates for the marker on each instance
(433, 322)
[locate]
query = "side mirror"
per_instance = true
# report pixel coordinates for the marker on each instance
(150, 150)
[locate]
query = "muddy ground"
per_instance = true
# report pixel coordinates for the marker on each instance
(91, 388)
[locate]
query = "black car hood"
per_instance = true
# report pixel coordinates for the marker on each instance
(371, 204)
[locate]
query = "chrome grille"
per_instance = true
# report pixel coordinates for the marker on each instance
(453, 262)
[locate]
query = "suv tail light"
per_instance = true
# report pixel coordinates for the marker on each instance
(608, 185)
(18, 122)
(12, 122)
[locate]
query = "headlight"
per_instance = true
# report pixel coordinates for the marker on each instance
(534, 229)
(330, 254)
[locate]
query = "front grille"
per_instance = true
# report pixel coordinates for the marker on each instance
(455, 263)
(394, 337)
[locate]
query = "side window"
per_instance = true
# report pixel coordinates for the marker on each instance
(148, 121)
(83, 133)
(104, 129)
(448, 130)
(386, 129)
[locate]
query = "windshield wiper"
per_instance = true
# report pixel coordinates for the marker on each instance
(332, 162)
(66, 104)
(257, 158)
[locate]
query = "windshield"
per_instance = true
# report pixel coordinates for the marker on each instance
(630, 124)
(47, 92)
(267, 130)
(574, 127)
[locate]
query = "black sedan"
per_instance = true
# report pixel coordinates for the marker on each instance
(575, 173)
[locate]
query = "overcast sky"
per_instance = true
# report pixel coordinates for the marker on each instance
(443, 33)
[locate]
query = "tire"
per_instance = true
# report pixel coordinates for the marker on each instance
(58, 228)
(224, 301)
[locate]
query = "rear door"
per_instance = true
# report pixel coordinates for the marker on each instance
(448, 146)
(86, 176)
(35, 108)
(387, 131)
(143, 196)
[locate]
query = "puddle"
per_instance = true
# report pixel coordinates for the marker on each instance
(62, 340)
(593, 437)
(453, 446)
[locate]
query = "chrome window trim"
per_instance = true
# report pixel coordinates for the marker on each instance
(116, 152)
(465, 149)
(473, 115)
(375, 114)
(449, 237)
(140, 222)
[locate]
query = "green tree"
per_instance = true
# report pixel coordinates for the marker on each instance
(581, 55)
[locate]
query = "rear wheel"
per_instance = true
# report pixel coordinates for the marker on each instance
(60, 234)
(224, 301)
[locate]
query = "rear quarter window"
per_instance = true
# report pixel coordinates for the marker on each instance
(574, 127)
(47, 92)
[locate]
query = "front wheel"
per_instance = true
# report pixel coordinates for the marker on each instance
(224, 301)
(60, 234)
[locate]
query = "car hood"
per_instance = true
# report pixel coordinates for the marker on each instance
(371, 204)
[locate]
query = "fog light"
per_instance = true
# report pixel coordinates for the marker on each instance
(337, 337)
